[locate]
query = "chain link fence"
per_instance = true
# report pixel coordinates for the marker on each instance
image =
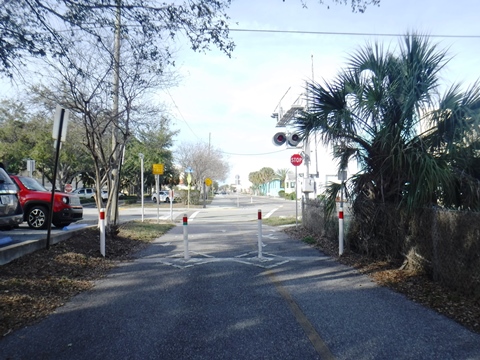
(443, 243)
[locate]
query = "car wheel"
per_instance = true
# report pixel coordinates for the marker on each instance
(37, 217)
(167, 199)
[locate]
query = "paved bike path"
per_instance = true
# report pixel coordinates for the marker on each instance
(226, 303)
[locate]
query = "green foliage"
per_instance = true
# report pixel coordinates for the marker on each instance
(144, 231)
(373, 112)
(183, 196)
(38, 28)
(281, 193)
(281, 174)
(309, 240)
(279, 220)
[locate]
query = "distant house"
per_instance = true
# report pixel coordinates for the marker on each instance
(270, 189)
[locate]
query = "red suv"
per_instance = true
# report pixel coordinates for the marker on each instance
(35, 201)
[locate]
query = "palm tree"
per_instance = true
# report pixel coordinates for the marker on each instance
(375, 110)
(281, 174)
(414, 147)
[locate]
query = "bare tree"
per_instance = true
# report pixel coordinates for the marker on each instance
(205, 161)
(87, 93)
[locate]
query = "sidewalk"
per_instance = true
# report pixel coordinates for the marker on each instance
(226, 303)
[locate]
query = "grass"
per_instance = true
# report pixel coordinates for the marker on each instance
(309, 240)
(280, 220)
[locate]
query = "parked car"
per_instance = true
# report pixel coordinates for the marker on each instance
(35, 201)
(84, 193)
(163, 197)
(11, 213)
(105, 194)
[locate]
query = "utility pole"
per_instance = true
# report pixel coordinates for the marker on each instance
(115, 148)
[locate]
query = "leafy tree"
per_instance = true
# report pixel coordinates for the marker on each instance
(15, 135)
(154, 142)
(27, 134)
(254, 178)
(281, 174)
(50, 28)
(266, 174)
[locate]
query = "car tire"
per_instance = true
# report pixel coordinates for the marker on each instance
(37, 217)
(167, 199)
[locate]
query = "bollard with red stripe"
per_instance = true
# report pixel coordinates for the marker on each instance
(186, 255)
(340, 232)
(259, 217)
(102, 231)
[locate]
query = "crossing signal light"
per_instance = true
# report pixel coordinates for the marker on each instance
(279, 139)
(293, 139)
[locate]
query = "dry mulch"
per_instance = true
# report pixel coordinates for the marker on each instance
(416, 286)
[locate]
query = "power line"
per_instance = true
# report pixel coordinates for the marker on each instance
(339, 33)
(259, 154)
(181, 115)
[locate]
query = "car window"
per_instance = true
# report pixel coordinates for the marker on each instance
(4, 178)
(31, 184)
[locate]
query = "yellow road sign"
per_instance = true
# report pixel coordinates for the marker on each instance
(208, 181)
(157, 169)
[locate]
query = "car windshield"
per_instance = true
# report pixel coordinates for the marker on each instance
(4, 178)
(31, 184)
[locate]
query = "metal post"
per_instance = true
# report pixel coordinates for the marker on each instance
(57, 153)
(102, 232)
(186, 255)
(259, 233)
(157, 185)
(141, 183)
(296, 198)
(204, 194)
(340, 221)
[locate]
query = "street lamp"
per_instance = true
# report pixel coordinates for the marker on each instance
(140, 155)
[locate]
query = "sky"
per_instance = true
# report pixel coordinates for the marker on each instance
(228, 102)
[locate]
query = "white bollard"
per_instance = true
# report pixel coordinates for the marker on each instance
(102, 232)
(259, 233)
(340, 232)
(186, 255)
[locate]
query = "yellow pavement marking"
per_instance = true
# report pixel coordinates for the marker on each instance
(317, 342)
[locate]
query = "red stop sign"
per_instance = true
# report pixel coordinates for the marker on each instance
(68, 188)
(296, 159)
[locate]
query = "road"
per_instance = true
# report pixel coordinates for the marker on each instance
(223, 208)
(226, 302)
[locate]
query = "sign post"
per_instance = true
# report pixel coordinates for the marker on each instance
(189, 172)
(59, 135)
(296, 160)
(157, 169)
